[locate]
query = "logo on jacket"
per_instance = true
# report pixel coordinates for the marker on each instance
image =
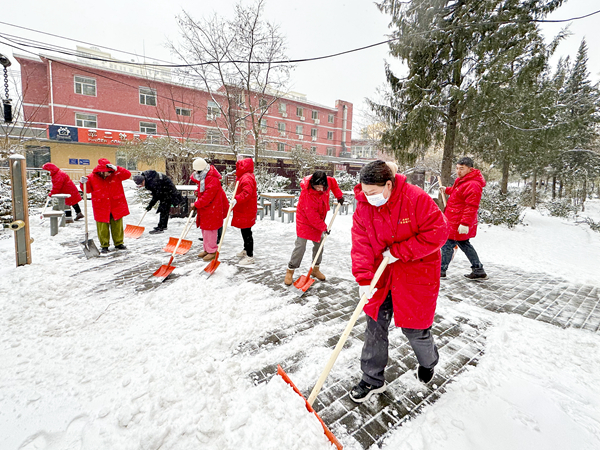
(404, 221)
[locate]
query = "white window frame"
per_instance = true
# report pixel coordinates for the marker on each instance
(280, 147)
(330, 151)
(213, 136)
(299, 111)
(146, 128)
(330, 135)
(299, 129)
(212, 110)
(314, 132)
(84, 120)
(315, 114)
(83, 83)
(282, 108)
(281, 127)
(183, 112)
(147, 96)
(330, 118)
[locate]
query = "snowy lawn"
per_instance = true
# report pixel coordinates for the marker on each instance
(91, 365)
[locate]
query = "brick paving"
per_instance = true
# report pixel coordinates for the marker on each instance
(461, 340)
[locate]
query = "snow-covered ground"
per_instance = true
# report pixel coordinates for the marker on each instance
(90, 364)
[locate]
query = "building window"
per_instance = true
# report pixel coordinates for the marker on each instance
(262, 103)
(147, 128)
(213, 110)
(283, 108)
(298, 146)
(147, 96)
(281, 127)
(85, 86)
(313, 149)
(280, 147)
(330, 151)
(239, 100)
(183, 112)
(126, 160)
(330, 135)
(213, 136)
(86, 120)
(330, 118)
(313, 132)
(37, 156)
(299, 111)
(298, 129)
(263, 125)
(315, 114)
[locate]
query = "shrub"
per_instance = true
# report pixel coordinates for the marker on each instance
(499, 209)
(560, 208)
(269, 182)
(346, 181)
(595, 226)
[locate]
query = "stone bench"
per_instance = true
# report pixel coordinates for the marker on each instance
(289, 212)
(54, 217)
(260, 211)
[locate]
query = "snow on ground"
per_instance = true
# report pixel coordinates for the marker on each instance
(90, 365)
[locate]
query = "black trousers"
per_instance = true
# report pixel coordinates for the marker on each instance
(248, 241)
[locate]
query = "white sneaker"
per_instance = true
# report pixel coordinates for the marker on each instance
(241, 254)
(247, 261)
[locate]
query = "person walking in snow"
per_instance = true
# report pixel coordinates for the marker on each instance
(310, 219)
(105, 184)
(62, 184)
(400, 221)
(211, 205)
(461, 212)
(245, 207)
(163, 191)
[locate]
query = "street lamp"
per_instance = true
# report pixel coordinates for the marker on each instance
(8, 117)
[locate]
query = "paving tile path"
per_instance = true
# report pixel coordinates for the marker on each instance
(461, 341)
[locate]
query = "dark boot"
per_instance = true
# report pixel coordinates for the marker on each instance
(424, 374)
(476, 276)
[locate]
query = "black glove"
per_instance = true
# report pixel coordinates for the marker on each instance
(148, 208)
(327, 232)
(341, 200)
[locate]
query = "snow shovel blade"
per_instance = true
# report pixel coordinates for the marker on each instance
(328, 433)
(89, 249)
(303, 283)
(164, 271)
(212, 266)
(183, 248)
(133, 231)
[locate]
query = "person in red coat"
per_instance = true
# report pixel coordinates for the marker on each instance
(245, 207)
(461, 212)
(310, 219)
(211, 205)
(105, 184)
(62, 184)
(400, 221)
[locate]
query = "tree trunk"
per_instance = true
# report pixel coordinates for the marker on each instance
(533, 189)
(554, 188)
(449, 142)
(560, 189)
(504, 182)
(584, 194)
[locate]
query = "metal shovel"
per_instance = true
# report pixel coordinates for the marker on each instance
(89, 248)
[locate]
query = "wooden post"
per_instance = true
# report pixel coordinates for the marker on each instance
(20, 208)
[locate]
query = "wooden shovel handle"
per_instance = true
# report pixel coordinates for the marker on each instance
(363, 301)
(227, 218)
(442, 192)
(337, 208)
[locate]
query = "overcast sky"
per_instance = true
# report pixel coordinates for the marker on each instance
(312, 27)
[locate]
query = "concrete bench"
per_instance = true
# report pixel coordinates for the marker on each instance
(289, 212)
(54, 217)
(261, 212)
(267, 206)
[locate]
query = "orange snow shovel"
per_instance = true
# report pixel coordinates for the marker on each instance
(313, 395)
(305, 281)
(134, 231)
(164, 271)
(180, 247)
(212, 266)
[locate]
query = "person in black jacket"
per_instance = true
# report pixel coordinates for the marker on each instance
(163, 190)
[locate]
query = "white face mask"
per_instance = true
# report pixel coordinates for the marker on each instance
(377, 199)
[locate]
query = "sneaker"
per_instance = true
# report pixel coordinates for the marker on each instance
(104, 250)
(120, 247)
(363, 391)
(209, 256)
(79, 216)
(476, 276)
(241, 254)
(157, 231)
(424, 374)
(443, 274)
(246, 261)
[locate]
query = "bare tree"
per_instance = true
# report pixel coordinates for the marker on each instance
(238, 62)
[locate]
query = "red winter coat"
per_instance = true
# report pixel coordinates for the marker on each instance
(312, 209)
(62, 184)
(212, 203)
(244, 211)
(463, 203)
(108, 197)
(414, 229)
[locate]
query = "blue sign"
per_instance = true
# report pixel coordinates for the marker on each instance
(73, 161)
(63, 133)
(84, 162)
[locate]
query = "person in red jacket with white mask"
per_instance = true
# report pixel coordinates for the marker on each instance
(310, 219)
(211, 206)
(461, 212)
(400, 221)
(245, 207)
(62, 184)
(105, 184)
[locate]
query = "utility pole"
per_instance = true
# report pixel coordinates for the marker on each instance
(20, 209)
